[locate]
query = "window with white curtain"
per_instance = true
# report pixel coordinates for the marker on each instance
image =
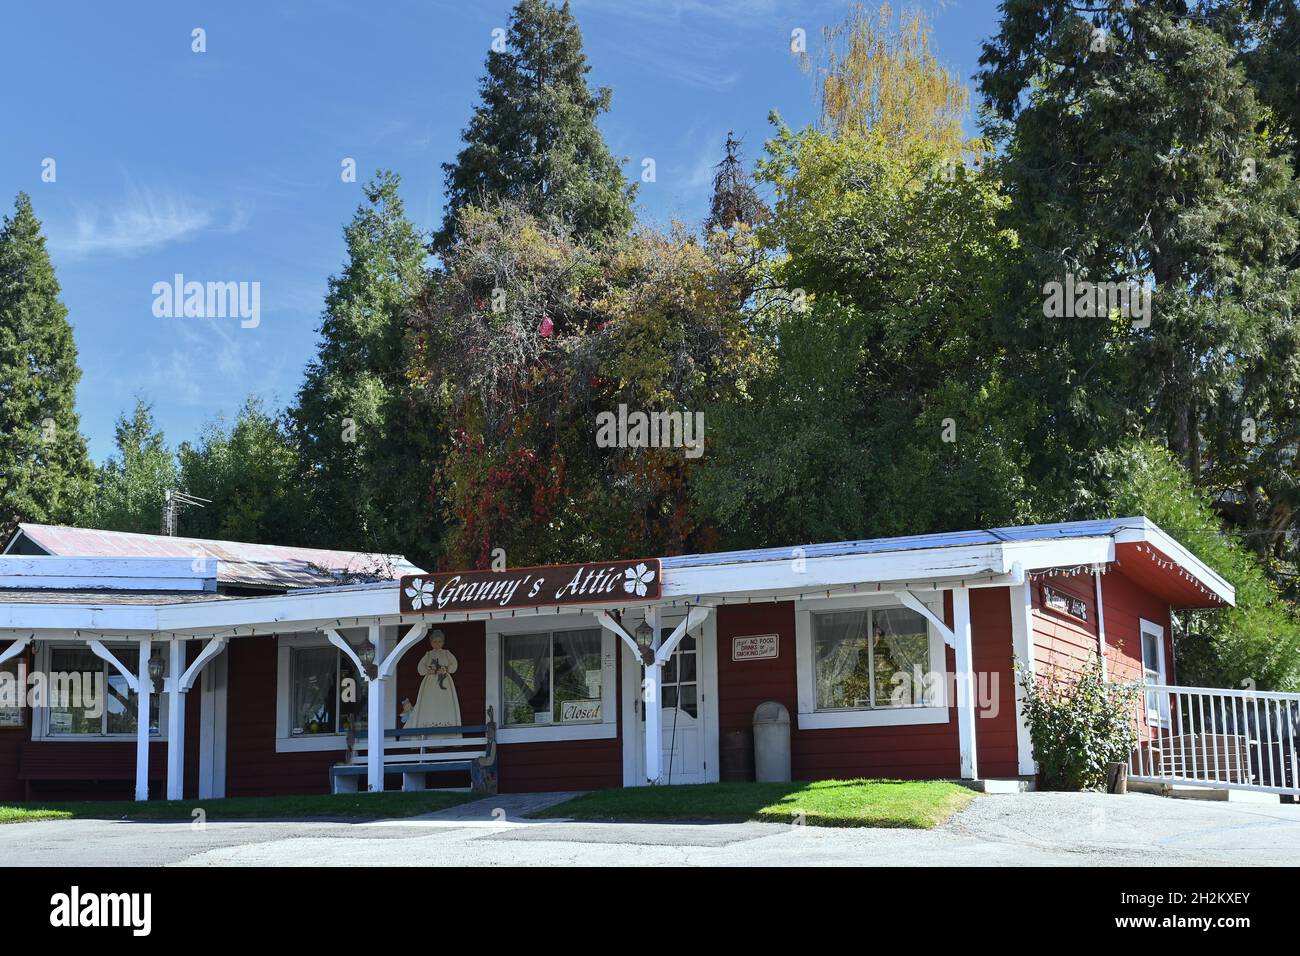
(871, 658)
(553, 677)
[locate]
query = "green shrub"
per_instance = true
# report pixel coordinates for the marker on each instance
(1078, 725)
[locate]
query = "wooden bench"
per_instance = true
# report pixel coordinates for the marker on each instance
(92, 762)
(416, 752)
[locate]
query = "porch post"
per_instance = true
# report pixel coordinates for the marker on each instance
(965, 680)
(143, 695)
(652, 692)
(375, 715)
(1022, 641)
(175, 720)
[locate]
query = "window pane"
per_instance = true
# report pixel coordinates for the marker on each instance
(526, 678)
(121, 703)
(841, 660)
(686, 663)
(13, 695)
(1150, 652)
(686, 695)
(75, 676)
(313, 695)
(577, 676)
(901, 645)
(353, 694)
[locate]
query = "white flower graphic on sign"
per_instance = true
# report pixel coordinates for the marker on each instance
(636, 579)
(420, 593)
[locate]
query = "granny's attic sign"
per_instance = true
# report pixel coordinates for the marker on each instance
(605, 582)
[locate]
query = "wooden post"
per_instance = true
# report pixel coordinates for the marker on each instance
(965, 680)
(175, 720)
(142, 697)
(375, 716)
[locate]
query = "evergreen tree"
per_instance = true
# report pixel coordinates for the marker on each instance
(359, 449)
(734, 199)
(249, 474)
(1136, 150)
(132, 485)
(45, 473)
(533, 139)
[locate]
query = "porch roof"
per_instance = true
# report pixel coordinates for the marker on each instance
(238, 564)
(986, 556)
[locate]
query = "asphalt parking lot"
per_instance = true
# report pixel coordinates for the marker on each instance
(1001, 830)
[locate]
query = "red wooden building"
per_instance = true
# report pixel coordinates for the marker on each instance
(236, 670)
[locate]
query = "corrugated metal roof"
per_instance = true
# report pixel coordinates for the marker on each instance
(947, 539)
(239, 564)
(95, 598)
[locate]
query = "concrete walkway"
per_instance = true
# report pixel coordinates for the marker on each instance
(1003, 830)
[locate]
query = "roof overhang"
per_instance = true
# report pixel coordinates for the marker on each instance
(1141, 549)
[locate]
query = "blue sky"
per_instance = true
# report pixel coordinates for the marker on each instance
(224, 165)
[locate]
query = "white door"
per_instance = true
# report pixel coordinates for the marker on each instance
(689, 723)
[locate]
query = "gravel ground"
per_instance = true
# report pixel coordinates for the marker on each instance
(999, 830)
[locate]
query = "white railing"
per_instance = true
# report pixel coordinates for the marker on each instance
(1233, 739)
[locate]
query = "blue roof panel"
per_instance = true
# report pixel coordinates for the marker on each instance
(948, 539)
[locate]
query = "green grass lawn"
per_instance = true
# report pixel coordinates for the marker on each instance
(353, 806)
(827, 803)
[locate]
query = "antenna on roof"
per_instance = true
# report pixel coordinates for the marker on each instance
(173, 502)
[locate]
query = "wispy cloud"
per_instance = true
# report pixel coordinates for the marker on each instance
(144, 220)
(659, 11)
(207, 364)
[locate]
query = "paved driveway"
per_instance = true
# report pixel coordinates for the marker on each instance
(1031, 828)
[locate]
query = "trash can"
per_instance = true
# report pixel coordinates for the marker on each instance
(736, 760)
(771, 742)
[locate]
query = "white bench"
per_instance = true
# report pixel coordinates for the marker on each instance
(416, 752)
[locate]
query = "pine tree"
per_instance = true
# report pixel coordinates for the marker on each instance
(534, 139)
(1137, 151)
(734, 199)
(348, 421)
(248, 471)
(45, 473)
(132, 485)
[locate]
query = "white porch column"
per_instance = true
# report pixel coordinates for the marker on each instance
(652, 693)
(965, 682)
(175, 720)
(375, 715)
(1022, 641)
(143, 695)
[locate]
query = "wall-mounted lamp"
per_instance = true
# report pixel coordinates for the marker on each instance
(157, 668)
(644, 636)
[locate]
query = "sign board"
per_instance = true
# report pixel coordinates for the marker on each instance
(605, 582)
(579, 710)
(1065, 603)
(755, 647)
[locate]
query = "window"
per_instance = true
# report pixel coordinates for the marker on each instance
(551, 678)
(13, 693)
(680, 677)
(89, 697)
(871, 658)
(1153, 669)
(325, 694)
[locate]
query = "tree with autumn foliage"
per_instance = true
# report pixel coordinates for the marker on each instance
(877, 74)
(537, 335)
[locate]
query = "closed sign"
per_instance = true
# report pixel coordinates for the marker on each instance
(754, 647)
